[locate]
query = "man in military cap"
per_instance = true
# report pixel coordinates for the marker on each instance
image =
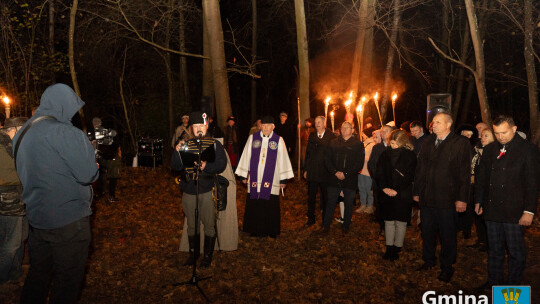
(208, 169)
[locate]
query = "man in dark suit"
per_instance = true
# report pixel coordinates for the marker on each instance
(506, 192)
(417, 135)
(441, 186)
(315, 172)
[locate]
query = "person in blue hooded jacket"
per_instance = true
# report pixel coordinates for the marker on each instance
(56, 165)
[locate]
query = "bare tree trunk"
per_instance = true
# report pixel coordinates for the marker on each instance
(71, 55)
(461, 72)
(445, 35)
(303, 59)
(480, 72)
(121, 83)
(168, 70)
(390, 62)
(359, 49)
(468, 99)
(51, 34)
(212, 17)
(208, 78)
(529, 27)
(367, 52)
(253, 58)
(184, 80)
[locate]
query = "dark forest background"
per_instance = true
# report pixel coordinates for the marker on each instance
(34, 55)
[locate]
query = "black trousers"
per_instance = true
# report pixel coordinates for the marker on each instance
(443, 222)
(500, 237)
(312, 196)
(57, 256)
(348, 200)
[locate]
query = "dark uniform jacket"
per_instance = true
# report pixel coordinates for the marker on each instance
(316, 171)
(443, 174)
(508, 186)
(347, 157)
(206, 177)
(398, 177)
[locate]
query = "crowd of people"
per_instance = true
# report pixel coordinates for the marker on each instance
(487, 176)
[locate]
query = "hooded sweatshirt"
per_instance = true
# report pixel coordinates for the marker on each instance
(56, 163)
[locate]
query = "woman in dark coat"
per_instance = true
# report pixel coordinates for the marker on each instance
(394, 176)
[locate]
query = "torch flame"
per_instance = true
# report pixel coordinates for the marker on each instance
(376, 96)
(327, 101)
(359, 108)
(332, 113)
(350, 95)
(363, 99)
(5, 99)
(394, 97)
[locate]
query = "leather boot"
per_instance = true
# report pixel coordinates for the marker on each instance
(395, 253)
(209, 243)
(194, 244)
(388, 254)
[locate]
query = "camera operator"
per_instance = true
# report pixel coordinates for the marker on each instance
(109, 157)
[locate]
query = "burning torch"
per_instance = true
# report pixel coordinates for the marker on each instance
(6, 101)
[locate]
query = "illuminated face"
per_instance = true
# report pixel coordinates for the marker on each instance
(416, 132)
(283, 119)
(486, 137)
(185, 120)
(441, 124)
(504, 132)
(467, 133)
(481, 127)
(308, 123)
(230, 123)
(394, 144)
(319, 124)
(199, 129)
(385, 131)
(346, 130)
(267, 129)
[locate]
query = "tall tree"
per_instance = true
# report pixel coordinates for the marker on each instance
(184, 80)
(532, 79)
(253, 59)
(390, 59)
(71, 55)
(303, 59)
(212, 17)
(359, 48)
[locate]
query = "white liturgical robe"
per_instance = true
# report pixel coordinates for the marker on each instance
(283, 169)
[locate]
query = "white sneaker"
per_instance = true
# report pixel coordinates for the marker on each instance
(369, 210)
(361, 209)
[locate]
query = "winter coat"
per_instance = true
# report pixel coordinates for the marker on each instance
(398, 177)
(508, 186)
(56, 163)
(316, 171)
(288, 132)
(443, 174)
(346, 156)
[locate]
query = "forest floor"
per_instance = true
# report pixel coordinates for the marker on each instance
(134, 256)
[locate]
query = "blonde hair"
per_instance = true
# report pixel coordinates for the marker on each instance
(401, 138)
(490, 134)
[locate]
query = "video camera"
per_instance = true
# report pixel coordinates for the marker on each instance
(102, 136)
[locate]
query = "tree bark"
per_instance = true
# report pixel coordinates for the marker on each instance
(208, 78)
(184, 80)
(71, 55)
(531, 69)
(480, 72)
(253, 58)
(367, 52)
(390, 62)
(359, 48)
(212, 17)
(303, 59)
(461, 72)
(445, 35)
(51, 34)
(168, 70)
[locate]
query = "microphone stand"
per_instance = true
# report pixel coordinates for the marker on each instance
(195, 279)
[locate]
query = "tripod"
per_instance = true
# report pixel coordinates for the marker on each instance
(195, 279)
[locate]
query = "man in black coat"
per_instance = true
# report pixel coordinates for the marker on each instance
(287, 130)
(441, 186)
(506, 192)
(315, 172)
(343, 159)
(417, 135)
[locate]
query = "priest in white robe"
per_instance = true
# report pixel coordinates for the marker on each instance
(265, 168)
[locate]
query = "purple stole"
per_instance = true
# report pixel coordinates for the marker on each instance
(269, 166)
